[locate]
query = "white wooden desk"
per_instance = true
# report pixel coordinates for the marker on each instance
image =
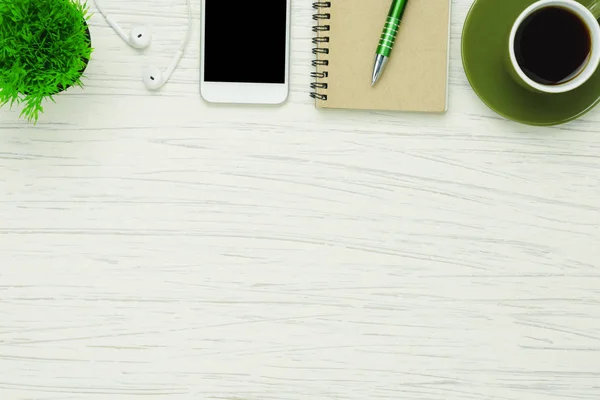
(154, 246)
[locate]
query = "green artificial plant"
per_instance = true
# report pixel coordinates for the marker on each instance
(44, 48)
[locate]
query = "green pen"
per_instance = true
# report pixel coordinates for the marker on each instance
(388, 37)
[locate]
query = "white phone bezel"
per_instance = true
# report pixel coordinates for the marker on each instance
(246, 93)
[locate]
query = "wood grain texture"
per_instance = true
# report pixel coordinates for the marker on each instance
(154, 246)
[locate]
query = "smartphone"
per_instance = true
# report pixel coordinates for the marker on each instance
(245, 51)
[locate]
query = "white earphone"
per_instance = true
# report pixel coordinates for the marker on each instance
(140, 37)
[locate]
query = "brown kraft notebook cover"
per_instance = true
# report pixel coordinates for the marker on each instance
(416, 77)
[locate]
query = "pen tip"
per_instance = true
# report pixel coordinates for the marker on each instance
(375, 77)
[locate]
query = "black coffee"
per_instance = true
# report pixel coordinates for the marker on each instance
(551, 45)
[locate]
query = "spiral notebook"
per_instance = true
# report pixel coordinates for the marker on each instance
(346, 36)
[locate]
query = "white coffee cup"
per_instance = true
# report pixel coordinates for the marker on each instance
(587, 68)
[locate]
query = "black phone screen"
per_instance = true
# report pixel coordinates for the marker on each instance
(245, 41)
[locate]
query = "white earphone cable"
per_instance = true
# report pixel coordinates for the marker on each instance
(189, 30)
(99, 8)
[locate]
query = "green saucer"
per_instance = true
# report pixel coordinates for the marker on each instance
(484, 46)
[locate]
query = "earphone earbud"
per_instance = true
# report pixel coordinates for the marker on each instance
(153, 78)
(140, 38)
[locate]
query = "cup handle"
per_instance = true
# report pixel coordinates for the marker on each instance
(593, 6)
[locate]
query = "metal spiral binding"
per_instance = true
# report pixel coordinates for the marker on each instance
(317, 40)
